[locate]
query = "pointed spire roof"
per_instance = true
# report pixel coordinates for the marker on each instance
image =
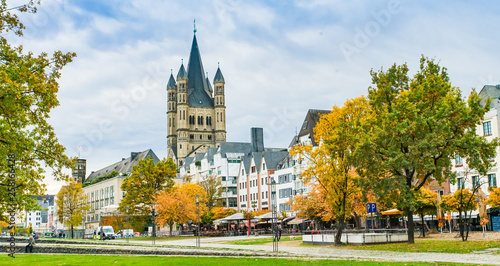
(197, 85)
(182, 71)
(218, 76)
(171, 81)
(210, 90)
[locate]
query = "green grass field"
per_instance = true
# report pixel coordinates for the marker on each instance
(41, 259)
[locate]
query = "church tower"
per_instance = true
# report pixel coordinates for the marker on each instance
(196, 116)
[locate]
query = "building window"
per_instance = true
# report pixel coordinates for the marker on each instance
(458, 160)
(191, 136)
(253, 169)
(209, 137)
(492, 180)
(487, 128)
(475, 181)
(460, 182)
(201, 136)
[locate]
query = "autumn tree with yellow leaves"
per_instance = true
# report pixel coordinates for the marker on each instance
(178, 205)
(461, 201)
(494, 198)
(332, 162)
(71, 205)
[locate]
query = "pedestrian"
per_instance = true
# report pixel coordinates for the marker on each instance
(279, 232)
(31, 243)
(64, 235)
(95, 235)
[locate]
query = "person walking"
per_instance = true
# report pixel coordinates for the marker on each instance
(279, 232)
(31, 243)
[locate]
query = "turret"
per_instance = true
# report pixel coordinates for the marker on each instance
(171, 111)
(220, 107)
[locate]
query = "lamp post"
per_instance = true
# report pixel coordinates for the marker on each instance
(154, 221)
(274, 203)
(198, 220)
(126, 208)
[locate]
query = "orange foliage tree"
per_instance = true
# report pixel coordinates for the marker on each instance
(494, 198)
(178, 205)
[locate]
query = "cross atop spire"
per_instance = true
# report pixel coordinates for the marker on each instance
(194, 26)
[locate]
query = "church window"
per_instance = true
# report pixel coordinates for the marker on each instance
(183, 115)
(209, 137)
(201, 136)
(192, 148)
(191, 136)
(180, 146)
(173, 122)
(217, 117)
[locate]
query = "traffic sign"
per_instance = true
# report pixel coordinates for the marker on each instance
(371, 207)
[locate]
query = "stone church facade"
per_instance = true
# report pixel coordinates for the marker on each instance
(196, 111)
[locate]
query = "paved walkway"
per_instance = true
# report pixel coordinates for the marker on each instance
(325, 253)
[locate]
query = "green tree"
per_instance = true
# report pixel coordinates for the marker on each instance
(71, 205)
(213, 188)
(146, 180)
(415, 128)
(27, 95)
(332, 163)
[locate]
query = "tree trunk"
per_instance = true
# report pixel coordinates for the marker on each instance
(411, 233)
(72, 232)
(423, 226)
(171, 228)
(461, 225)
(340, 228)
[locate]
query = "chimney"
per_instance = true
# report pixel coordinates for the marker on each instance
(257, 139)
(133, 155)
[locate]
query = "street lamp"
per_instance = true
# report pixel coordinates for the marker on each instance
(126, 209)
(274, 203)
(198, 220)
(154, 221)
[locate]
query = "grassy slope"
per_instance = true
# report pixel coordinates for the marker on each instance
(39, 259)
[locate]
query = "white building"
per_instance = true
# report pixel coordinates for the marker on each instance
(105, 196)
(490, 129)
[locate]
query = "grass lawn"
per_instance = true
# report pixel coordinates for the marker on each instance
(260, 241)
(42, 259)
(445, 246)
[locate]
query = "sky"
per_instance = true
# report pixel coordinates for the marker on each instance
(278, 58)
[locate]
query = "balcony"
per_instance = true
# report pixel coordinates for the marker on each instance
(228, 194)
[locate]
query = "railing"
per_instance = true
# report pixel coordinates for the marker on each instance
(357, 237)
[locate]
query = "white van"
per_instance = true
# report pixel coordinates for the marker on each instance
(106, 231)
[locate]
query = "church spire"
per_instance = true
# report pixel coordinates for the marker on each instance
(197, 85)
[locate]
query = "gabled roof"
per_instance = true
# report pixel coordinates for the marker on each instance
(197, 86)
(171, 81)
(125, 165)
(257, 158)
(246, 163)
(234, 147)
(188, 161)
(490, 92)
(218, 76)
(312, 118)
(272, 159)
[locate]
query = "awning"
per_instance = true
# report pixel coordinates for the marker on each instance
(297, 221)
(234, 217)
(288, 219)
(268, 215)
(392, 212)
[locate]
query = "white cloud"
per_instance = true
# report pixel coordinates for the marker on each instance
(278, 62)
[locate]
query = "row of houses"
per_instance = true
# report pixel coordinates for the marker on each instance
(247, 169)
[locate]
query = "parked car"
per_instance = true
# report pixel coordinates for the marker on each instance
(107, 232)
(125, 233)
